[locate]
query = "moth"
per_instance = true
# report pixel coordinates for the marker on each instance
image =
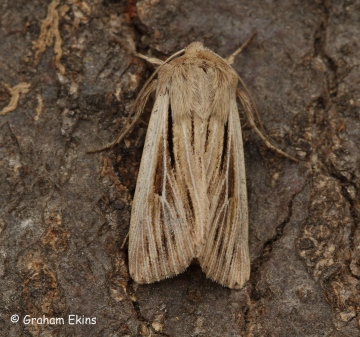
(190, 200)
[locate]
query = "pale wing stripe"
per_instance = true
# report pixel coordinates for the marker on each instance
(225, 257)
(146, 262)
(211, 147)
(228, 235)
(158, 227)
(232, 234)
(211, 252)
(239, 270)
(140, 242)
(142, 245)
(215, 200)
(190, 167)
(177, 200)
(171, 250)
(165, 173)
(225, 235)
(222, 235)
(163, 197)
(230, 245)
(178, 234)
(157, 220)
(215, 213)
(241, 182)
(140, 215)
(166, 223)
(242, 248)
(236, 268)
(219, 186)
(212, 259)
(183, 216)
(152, 238)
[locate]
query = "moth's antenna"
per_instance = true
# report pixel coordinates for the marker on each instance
(231, 58)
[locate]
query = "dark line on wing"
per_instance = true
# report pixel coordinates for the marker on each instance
(231, 173)
(191, 206)
(159, 176)
(225, 146)
(207, 135)
(192, 130)
(222, 232)
(170, 137)
(164, 244)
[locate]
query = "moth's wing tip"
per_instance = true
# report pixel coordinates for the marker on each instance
(236, 280)
(241, 283)
(237, 285)
(149, 280)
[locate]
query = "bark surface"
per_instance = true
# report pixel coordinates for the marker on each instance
(67, 82)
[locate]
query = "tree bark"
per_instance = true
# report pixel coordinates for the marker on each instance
(64, 213)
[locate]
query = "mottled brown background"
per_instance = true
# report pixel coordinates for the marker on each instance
(65, 213)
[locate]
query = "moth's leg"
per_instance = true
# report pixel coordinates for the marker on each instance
(231, 58)
(131, 50)
(152, 60)
(271, 146)
(125, 240)
(135, 113)
(140, 101)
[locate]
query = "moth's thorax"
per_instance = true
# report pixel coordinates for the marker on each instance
(198, 82)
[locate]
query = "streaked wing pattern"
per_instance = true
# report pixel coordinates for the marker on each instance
(160, 238)
(190, 199)
(225, 254)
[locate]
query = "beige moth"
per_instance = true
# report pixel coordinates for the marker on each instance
(190, 200)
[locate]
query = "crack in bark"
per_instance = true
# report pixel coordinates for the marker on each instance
(141, 319)
(344, 182)
(268, 245)
(320, 51)
(324, 102)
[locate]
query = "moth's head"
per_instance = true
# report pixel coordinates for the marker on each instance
(194, 47)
